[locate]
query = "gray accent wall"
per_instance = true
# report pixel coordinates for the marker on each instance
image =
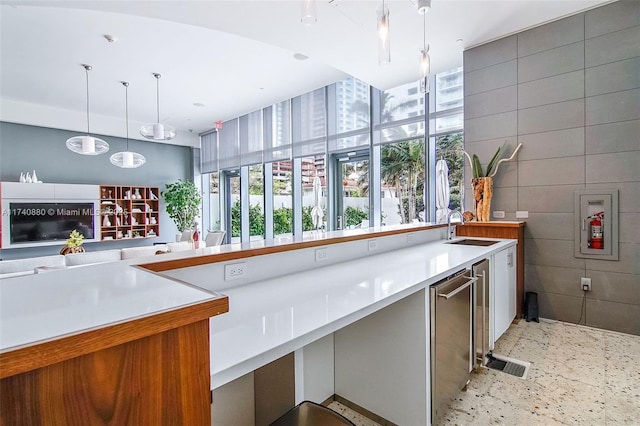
(569, 91)
(25, 148)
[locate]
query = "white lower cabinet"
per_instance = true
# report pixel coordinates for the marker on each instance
(503, 292)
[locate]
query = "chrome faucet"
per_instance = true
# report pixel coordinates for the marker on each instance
(450, 230)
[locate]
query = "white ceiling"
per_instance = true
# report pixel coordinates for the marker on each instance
(232, 56)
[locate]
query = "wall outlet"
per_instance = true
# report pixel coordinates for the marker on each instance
(373, 244)
(522, 214)
(585, 284)
(498, 214)
(235, 271)
(410, 237)
(321, 254)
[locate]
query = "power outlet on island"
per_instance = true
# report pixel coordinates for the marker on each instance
(235, 271)
(373, 244)
(498, 214)
(321, 254)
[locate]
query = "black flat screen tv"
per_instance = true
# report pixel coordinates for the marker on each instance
(41, 222)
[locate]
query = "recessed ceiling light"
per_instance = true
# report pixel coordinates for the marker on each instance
(300, 57)
(110, 38)
(198, 104)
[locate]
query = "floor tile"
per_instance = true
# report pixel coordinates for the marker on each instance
(578, 376)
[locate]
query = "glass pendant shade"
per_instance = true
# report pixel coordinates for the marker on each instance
(425, 63)
(87, 144)
(127, 159)
(384, 47)
(158, 131)
(308, 12)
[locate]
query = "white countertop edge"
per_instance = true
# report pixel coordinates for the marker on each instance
(227, 375)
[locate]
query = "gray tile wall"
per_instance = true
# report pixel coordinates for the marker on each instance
(569, 91)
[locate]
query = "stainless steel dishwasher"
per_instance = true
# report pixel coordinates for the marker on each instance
(451, 343)
(481, 311)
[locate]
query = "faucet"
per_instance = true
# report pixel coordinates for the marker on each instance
(450, 230)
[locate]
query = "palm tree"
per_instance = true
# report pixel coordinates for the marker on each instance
(402, 165)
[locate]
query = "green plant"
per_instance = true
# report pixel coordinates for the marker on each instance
(75, 239)
(476, 167)
(182, 200)
(354, 216)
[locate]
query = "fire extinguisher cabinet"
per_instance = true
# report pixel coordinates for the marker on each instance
(596, 224)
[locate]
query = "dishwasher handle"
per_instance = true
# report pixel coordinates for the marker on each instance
(459, 289)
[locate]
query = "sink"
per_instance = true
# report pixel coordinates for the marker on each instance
(469, 242)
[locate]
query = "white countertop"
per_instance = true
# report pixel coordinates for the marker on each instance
(42, 307)
(271, 318)
(37, 308)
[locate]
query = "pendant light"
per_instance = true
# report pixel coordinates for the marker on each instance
(308, 12)
(127, 159)
(384, 48)
(158, 131)
(425, 59)
(87, 144)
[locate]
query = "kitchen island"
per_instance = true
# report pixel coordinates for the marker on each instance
(104, 344)
(292, 301)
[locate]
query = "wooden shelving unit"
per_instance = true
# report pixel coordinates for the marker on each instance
(129, 212)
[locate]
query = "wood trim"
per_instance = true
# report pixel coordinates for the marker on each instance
(54, 351)
(495, 224)
(513, 230)
(162, 379)
(169, 265)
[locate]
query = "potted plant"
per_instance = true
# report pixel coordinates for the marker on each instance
(182, 200)
(73, 244)
(482, 182)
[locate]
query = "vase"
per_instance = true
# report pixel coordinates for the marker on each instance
(106, 221)
(68, 250)
(137, 195)
(482, 194)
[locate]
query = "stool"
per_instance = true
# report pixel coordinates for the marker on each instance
(309, 413)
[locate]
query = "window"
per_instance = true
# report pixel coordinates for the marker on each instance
(366, 148)
(282, 198)
(256, 202)
(402, 173)
(314, 193)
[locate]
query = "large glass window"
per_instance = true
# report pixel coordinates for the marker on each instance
(282, 198)
(351, 105)
(351, 183)
(256, 202)
(359, 156)
(402, 173)
(214, 202)
(314, 190)
(232, 191)
(449, 147)
(449, 92)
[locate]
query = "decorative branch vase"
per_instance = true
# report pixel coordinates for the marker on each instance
(68, 250)
(482, 194)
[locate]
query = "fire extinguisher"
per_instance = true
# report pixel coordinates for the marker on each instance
(596, 240)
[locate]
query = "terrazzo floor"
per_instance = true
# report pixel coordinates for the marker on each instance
(578, 376)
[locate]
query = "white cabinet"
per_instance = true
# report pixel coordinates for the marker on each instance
(503, 292)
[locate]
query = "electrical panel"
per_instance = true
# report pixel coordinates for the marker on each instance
(596, 224)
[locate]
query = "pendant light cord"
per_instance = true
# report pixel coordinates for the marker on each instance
(424, 33)
(157, 76)
(158, 97)
(86, 71)
(126, 110)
